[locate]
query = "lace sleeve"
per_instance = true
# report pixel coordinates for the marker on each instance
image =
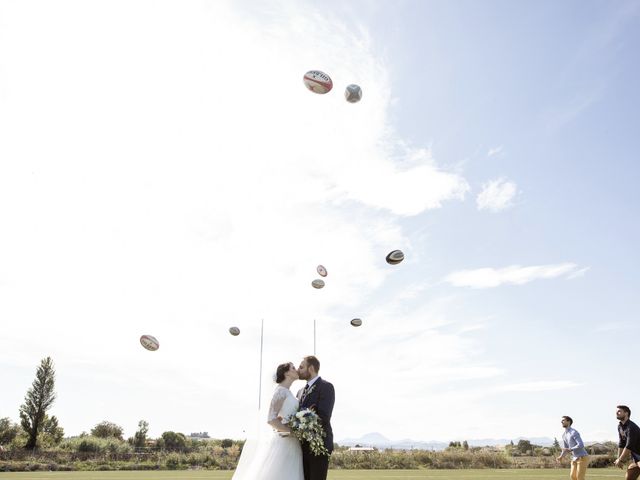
(277, 401)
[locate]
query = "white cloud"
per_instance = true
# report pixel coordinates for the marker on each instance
(411, 292)
(496, 195)
(512, 275)
(184, 181)
(579, 273)
(495, 151)
(396, 190)
(418, 355)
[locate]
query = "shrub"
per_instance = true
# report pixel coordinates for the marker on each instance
(226, 443)
(107, 430)
(8, 431)
(91, 444)
(601, 461)
(173, 461)
(174, 441)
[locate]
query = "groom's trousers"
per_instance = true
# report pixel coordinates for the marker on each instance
(315, 466)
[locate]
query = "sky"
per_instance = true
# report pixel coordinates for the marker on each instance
(164, 171)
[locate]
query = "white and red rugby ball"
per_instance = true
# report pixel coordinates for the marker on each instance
(317, 81)
(149, 342)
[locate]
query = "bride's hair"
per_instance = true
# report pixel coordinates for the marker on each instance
(281, 370)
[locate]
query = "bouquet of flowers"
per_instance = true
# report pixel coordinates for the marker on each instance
(306, 426)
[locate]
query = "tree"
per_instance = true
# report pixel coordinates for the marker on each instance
(174, 441)
(556, 445)
(107, 430)
(52, 433)
(140, 437)
(8, 431)
(465, 445)
(524, 447)
(37, 401)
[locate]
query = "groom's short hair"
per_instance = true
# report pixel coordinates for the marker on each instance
(313, 361)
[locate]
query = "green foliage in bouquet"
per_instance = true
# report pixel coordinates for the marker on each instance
(306, 426)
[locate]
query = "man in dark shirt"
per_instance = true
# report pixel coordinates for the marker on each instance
(629, 443)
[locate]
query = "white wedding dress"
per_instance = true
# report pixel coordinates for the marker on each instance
(272, 456)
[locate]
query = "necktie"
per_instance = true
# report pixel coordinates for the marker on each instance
(304, 393)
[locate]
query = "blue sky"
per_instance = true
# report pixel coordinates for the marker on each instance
(552, 86)
(164, 171)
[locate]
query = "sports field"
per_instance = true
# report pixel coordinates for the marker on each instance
(486, 474)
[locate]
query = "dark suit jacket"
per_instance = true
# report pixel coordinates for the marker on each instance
(321, 400)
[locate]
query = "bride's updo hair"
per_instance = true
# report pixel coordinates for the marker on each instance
(281, 370)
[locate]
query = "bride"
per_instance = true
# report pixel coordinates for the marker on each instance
(275, 455)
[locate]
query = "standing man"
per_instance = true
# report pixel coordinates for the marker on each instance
(572, 443)
(629, 444)
(318, 395)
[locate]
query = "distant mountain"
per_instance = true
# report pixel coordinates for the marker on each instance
(481, 442)
(378, 440)
(375, 438)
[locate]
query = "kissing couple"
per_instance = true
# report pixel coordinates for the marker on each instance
(280, 455)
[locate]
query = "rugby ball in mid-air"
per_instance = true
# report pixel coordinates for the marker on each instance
(356, 322)
(317, 81)
(321, 271)
(235, 331)
(317, 283)
(395, 257)
(149, 342)
(353, 93)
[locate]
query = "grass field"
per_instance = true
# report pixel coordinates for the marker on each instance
(487, 474)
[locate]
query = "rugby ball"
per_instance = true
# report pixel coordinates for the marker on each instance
(317, 283)
(395, 257)
(149, 342)
(356, 322)
(353, 93)
(235, 331)
(317, 81)
(321, 271)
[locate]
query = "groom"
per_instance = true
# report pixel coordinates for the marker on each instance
(320, 396)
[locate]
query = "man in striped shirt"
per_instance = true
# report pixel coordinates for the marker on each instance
(572, 443)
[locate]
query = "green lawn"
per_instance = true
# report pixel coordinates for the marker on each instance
(559, 474)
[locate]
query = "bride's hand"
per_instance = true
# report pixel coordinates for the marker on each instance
(285, 429)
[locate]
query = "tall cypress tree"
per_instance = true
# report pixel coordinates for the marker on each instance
(37, 401)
